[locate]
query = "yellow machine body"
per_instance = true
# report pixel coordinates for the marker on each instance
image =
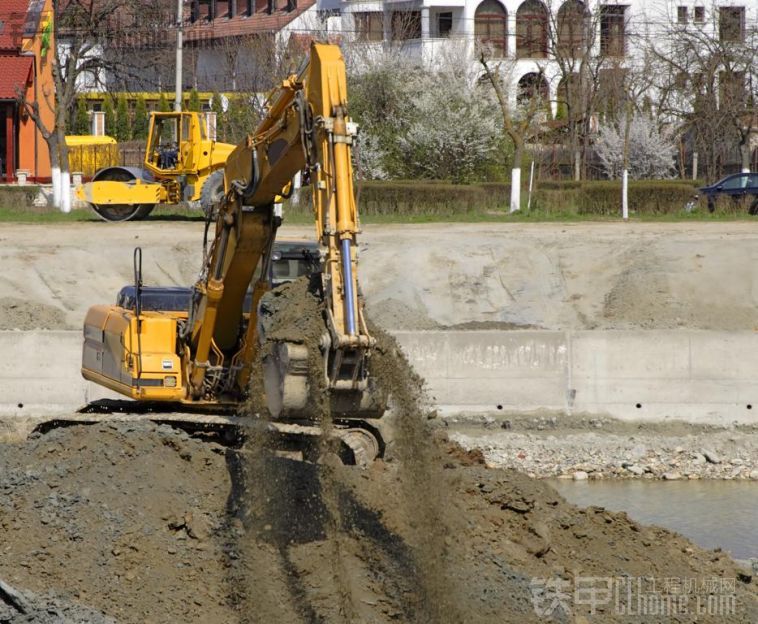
(106, 192)
(179, 160)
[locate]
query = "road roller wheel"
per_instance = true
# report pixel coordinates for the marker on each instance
(121, 212)
(212, 192)
(143, 211)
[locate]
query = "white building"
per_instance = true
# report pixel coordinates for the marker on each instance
(535, 42)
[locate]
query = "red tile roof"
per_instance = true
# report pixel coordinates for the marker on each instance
(15, 71)
(241, 25)
(12, 16)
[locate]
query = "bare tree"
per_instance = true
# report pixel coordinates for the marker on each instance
(83, 33)
(518, 121)
(707, 79)
(571, 35)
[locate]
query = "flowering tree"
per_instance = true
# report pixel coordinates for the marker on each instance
(650, 151)
(452, 130)
(416, 122)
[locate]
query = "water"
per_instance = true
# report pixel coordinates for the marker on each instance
(710, 513)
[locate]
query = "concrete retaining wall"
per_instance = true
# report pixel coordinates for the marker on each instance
(39, 373)
(698, 376)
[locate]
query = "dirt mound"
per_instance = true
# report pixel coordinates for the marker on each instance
(146, 524)
(21, 607)
(20, 314)
(119, 518)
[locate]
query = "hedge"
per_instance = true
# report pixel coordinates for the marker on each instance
(12, 196)
(416, 198)
(441, 198)
(645, 197)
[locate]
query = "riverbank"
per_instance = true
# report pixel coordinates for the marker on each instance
(590, 447)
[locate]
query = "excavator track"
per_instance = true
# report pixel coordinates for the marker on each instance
(355, 443)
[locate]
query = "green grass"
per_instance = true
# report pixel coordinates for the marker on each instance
(23, 214)
(19, 214)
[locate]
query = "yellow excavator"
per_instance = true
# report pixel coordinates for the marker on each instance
(200, 351)
(181, 165)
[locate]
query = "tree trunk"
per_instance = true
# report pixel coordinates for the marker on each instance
(625, 172)
(745, 154)
(65, 205)
(518, 154)
(55, 169)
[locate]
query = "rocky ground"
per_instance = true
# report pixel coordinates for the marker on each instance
(592, 447)
(143, 523)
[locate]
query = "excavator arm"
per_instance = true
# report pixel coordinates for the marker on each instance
(306, 129)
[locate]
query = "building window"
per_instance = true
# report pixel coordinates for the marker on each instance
(203, 9)
(681, 14)
(530, 86)
(491, 27)
(612, 30)
(445, 24)
(244, 7)
(573, 26)
(732, 24)
(699, 15)
(531, 30)
(611, 92)
(406, 25)
(369, 26)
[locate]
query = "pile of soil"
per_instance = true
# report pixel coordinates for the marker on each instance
(17, 607)
(147, 524)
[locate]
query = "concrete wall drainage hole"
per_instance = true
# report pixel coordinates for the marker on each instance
(638, 406)
(20, 405)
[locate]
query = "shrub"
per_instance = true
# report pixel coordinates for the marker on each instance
(110, 116)
(441, 198)
(141, 119)
(193, 103)
(123, 131)
(81, 120)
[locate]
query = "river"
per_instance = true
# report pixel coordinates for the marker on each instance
(710, 513)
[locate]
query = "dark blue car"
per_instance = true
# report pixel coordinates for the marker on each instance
(735, 186)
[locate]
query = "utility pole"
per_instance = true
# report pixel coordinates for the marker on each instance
(179, 37)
